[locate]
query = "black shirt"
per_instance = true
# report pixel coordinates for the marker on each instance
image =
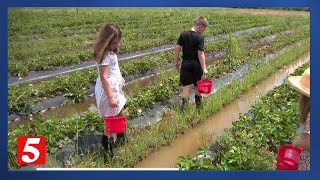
(191, 42)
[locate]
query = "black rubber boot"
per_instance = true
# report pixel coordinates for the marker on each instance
(107, 146)
(121, 139)
(198, 100)
(184, 103)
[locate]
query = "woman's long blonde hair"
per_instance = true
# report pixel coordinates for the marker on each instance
(107, 34)
(304, 106)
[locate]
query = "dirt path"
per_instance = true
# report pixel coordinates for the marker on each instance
(273, 12)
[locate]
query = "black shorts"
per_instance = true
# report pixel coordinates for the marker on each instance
(190, 73)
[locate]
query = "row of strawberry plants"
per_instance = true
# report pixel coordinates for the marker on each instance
(76, 85)
(53, 59)
(252, 141)
(34, 23)
(80, 80)
(235, 57)
(144, 140)
(18, 66)
(156, 60)
(50, 62)
(163, 88)
(49, 22)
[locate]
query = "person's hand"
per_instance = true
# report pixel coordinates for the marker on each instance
(113, 102)
(177, 64)
(205, 72)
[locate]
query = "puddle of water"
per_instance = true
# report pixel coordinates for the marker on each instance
(72, 109)
(192, 139)
(67, 110)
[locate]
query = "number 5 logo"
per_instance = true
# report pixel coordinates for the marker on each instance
(31, 150)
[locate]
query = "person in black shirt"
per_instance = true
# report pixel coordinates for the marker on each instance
(193, 65)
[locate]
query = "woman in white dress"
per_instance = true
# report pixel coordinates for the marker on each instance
(110, 98)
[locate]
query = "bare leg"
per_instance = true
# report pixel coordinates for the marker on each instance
(185, 95)
(196, 91)
(186, 91)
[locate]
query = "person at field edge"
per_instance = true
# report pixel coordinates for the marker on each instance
(109, 95)
(193, 65)
(302, 85)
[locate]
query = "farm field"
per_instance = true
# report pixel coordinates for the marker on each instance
(244, 45)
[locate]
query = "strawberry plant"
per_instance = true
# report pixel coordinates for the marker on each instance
(147, 139)
(76, 84)
(252, 141)
(55, 37)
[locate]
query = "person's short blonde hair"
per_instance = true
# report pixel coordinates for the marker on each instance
(202, 21)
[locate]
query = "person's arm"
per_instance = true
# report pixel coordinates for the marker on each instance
(106, 85)
(303, 143)
(177, 50)
(201, 55)
(202, 59)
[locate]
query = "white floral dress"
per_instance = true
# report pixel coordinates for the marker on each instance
(304, 161)
(116, 81)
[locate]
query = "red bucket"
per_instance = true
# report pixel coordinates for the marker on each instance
(288, 157)
(204, 86)
(115, 124)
